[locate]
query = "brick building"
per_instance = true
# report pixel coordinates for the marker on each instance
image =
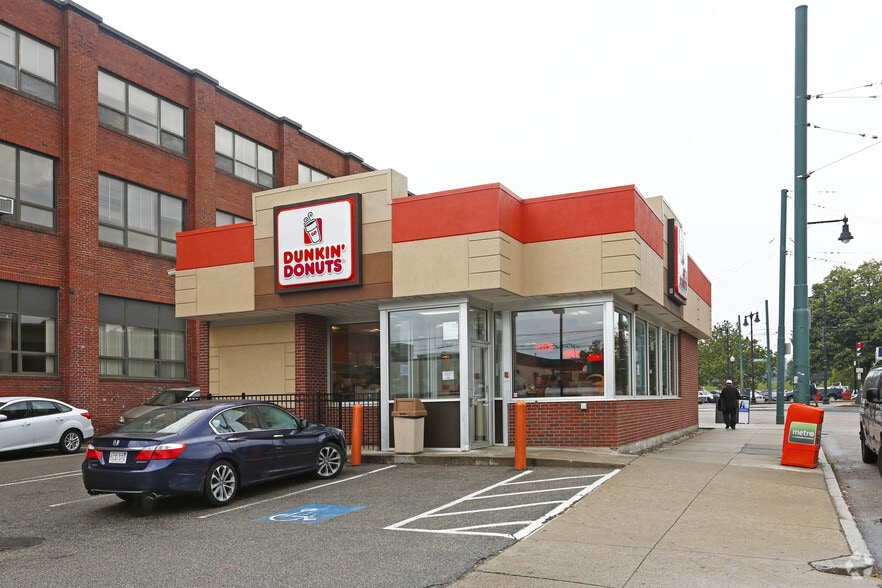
(107, 150)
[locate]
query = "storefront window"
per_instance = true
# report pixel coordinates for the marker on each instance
(355, 360)
(424, 353)
(640, 357)
(559, 352)
(623, 353)
(652, 359)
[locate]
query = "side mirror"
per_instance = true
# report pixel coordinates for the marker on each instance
(2, 417)
(304, 423)
(872, 395)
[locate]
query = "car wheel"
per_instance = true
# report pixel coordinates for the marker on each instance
(221, 483)
(70, 442)
(330, 461)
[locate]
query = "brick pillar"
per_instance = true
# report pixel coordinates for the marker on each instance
(310, 353)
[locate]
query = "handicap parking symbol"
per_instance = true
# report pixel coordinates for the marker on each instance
(309, 514)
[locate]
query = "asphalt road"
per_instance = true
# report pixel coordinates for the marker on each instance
(376, 525)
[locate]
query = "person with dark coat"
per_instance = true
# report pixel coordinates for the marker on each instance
(729, 399)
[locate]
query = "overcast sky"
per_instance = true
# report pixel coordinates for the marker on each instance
(689, 99)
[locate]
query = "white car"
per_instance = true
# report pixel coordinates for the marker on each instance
(27, 422)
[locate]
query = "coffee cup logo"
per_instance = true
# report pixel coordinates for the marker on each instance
(313, 228)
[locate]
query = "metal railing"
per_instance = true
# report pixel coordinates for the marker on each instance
(333, 409)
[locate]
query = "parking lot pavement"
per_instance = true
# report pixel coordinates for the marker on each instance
(298, 531)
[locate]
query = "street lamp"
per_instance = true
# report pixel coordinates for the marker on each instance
(754, 318)
(845, 236)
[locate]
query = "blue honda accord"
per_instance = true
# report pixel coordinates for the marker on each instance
(209, 449)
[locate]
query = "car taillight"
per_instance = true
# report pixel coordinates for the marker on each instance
(92, 453)
(167, 451)
(86, 415)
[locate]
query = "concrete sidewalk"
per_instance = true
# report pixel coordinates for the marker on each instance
(684, 516)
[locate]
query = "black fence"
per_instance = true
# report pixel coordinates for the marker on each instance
(328, 409)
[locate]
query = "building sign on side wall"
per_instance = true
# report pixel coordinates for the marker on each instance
(318, 244)
(678, 263)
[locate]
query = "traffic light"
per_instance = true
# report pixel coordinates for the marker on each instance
(859, 347)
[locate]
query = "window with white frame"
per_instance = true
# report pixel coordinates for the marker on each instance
(29, 179)
(652, 359)
(622, 343)
(28, 65)
(28, 329)
(141, 114)
(559, 352)
(138, 218)
(306, 174)
(222, 218)
(244, 158)
(139, 339)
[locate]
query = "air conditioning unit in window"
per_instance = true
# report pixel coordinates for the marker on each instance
(6, 205)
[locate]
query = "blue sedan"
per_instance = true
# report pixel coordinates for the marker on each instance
(208, 449)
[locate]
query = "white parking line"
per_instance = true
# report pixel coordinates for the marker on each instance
(41, 478)
(527, 526)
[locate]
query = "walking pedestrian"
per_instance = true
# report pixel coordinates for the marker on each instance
(730, 399)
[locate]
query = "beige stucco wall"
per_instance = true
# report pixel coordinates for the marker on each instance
(213, 290)
(255, 359)
(496, 260)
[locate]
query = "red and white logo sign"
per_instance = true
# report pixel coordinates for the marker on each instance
(318, 244)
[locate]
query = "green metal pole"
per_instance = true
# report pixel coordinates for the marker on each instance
(800, 258)
(768, 355)
(782, 271)
(740, 356)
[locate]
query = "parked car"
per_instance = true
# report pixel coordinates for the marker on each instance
(871, 418)
(705, 397)
(208, 449)
(788, 395)
(834, 393)
(715, 394)
(35, 423)
(164, 398)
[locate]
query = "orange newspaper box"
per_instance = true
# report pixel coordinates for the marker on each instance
(802, 436)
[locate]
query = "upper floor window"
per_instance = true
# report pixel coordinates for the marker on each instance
(141, 114)
(244, 158)
(137, 217)
(222, 218)
(306, 174)
(28, 65)
(140, 339)
(29, 179)
(28, 328)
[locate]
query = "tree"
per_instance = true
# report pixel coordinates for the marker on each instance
(846, 308)
(715, 358)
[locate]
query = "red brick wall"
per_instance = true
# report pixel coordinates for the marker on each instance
(71, 258)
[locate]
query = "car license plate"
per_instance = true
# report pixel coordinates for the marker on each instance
(117, 457)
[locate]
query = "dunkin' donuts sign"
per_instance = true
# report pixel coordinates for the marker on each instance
(318, 244)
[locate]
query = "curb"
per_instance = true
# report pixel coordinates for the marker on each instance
(860, 562)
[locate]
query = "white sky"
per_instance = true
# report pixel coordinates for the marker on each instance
(690, 99)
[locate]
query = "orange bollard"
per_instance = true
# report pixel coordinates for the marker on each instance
(357, 424)
(520, 459)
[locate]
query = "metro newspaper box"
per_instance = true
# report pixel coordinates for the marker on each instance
(408, 419)
(802, 436)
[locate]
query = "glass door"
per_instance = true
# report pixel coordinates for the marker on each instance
(479, 397)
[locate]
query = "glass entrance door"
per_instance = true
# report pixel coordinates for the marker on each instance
(479, 397)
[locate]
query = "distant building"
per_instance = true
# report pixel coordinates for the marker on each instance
(107, 150)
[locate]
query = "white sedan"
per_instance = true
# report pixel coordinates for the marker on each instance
(31, 423)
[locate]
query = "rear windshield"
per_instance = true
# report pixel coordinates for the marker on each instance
(164, 398)
(163, 420)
